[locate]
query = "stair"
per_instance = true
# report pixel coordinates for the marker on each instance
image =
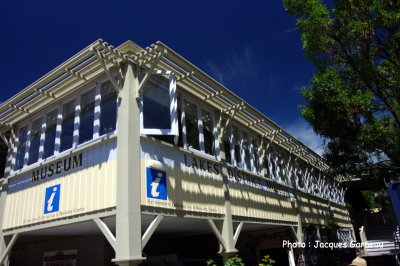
(380, 237)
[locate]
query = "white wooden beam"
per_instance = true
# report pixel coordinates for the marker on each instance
(75, 74)
(237, 232)
(217, 233)
(8, 248)
(212, 95)
(18, 108)
(256, 122)
(106, 69)
(5, 140)
(185, 76)
(106, 232)
(149, 73)
(45, 93)
(150, 230)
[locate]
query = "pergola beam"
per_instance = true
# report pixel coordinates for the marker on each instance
(212, 95)
(185, 76)
(18, 108)
(153, 65)
(106, 69)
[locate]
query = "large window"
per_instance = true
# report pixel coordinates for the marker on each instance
(50, 134)
(86, 120)
(67, 126)
(159, 104)
(34, 141)
(108, 107)
(21, 147)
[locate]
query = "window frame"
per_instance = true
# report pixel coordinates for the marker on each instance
(173, 108)
(199, 109)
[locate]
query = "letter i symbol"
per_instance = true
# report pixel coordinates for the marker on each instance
(50, 201)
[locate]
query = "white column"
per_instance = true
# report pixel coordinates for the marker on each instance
(128, 217)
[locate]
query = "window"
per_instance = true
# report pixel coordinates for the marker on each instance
(208, 132)
(20, 156)
(159, 105)
(256, 157)
(226, 141)
(236, 146)
(34, 141)
(87, 116)
(67, 126)
(108, 107)
(50, 134)
(192, 125)
(246, 151)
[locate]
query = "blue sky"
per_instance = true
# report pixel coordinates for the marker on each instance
(252, 47)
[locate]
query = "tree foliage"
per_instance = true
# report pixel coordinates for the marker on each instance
(354, 96)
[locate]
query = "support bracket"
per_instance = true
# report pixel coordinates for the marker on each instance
(153, 65)
(106, 69)
(106, 232)
(8, 248)
(237, 232)
(150, 230)
(5, 140)
(217, 233)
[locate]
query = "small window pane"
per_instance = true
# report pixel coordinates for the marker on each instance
(108, 108)
(22, 138)
(36, 130)
(67, 126)
(208, 132)
(236, 139)
(86, 117)
(257, 165)
(156, 102)
(192, 126)
(246, 150)
(227, 143)
(50, 134)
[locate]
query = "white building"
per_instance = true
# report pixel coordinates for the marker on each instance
(126, 153)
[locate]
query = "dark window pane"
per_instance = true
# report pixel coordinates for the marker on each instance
(192, 126)
(67, 126)
(50, 134)
(236, 141)
(156, 103)
(227, 149)
(246, 149)
(256, 157)
(34, 145)
(108, 108)
(208, 133)
(22, 138)
(86, 117)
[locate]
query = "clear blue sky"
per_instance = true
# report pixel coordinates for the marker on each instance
(252, 47)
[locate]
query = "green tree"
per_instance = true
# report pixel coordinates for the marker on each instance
(353, 100)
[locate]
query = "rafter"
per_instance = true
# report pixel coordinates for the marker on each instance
(256, 122)
(45, 93)
(185, 76)
(19, 108)
(75, 74)
(212, 95)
